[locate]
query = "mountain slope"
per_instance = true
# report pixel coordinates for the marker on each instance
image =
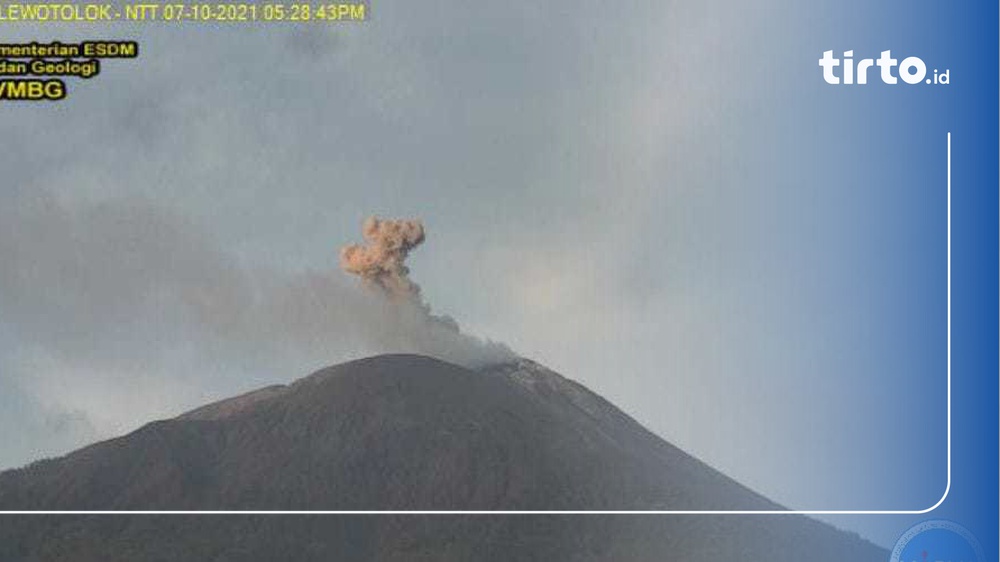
(390, 433)
(404, 432)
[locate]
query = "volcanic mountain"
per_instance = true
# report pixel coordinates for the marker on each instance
(401, 433)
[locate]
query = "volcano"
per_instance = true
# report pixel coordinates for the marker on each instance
(401, 433)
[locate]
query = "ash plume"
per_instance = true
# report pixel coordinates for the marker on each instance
(148, 296)
(380, 263)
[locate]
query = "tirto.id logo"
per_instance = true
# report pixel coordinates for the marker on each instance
(911, 70)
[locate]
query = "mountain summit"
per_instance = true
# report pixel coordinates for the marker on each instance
(411, 433)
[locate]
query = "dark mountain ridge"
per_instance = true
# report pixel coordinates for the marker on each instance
(411, 433)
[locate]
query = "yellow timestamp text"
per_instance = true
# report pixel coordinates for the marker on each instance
(209, 12)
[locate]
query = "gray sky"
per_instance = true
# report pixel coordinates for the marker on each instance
(602, 189)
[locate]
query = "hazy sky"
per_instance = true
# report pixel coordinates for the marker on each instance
(602, 189)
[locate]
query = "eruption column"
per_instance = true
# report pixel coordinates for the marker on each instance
(380, 262)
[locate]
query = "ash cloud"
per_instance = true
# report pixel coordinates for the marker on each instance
(123, 312)
(380, 263)
(381, 266)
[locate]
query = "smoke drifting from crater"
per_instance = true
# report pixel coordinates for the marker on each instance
(154, 317)
(380, 263)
